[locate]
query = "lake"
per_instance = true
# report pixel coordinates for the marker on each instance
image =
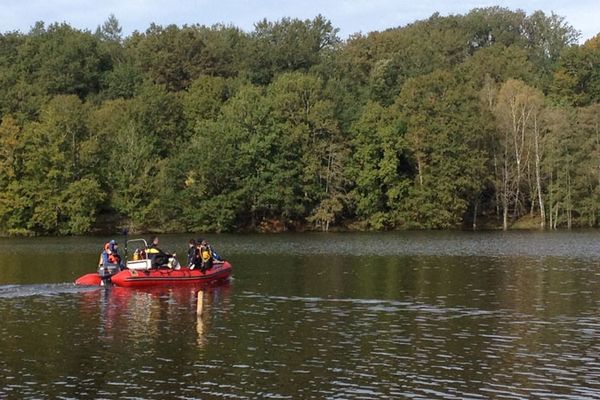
(423, 315)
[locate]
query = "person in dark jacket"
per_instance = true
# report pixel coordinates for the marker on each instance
(159, 258)
(192, 258)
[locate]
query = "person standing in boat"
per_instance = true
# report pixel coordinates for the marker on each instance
(213, 252)
(158, 257)
(206, 256)
(110, 254)
(192, 259)
(116, 257)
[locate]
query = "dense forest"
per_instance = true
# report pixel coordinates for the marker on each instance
(483, 119)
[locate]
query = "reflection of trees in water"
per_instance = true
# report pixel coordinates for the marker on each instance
(158, 314)
(143, 314)
(126, 312)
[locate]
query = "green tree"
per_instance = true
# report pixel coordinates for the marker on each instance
(313, 141)
(289, 45)
(204, 99)
(12, 203)
(110, 30)
(53, 171)
(63, 60)
(379, 169)
(444, 139)
(577, 80)
(174, 57)
(134, 166)
(158, 115)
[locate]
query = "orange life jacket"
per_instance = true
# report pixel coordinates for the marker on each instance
(112, 257)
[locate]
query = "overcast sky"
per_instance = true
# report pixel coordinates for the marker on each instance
(349, 16)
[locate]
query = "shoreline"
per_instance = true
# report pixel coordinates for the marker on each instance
(485, 229)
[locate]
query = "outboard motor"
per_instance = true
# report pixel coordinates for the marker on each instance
(106, 272)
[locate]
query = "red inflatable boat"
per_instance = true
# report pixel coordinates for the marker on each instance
(139, 272)
(221, 271)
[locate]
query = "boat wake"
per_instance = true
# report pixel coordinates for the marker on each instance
(45, 289)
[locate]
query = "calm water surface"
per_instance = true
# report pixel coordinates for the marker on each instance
(367, 316)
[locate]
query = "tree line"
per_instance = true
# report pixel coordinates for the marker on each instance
(462, 120)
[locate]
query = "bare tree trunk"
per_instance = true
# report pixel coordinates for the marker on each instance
(516, 104)
(420, 170)
(475, 215)
(556, 215)
(551, 204)
(532, 195)
(519, 130)
(569, 205)
(505, 194)
(516, 132)
(496, 192)
(538, 179)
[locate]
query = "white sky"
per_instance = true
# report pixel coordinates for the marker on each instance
(349, 16)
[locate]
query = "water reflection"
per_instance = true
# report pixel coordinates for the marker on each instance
(143, 314)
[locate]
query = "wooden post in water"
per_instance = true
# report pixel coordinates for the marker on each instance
(199, 320)
(200, 303)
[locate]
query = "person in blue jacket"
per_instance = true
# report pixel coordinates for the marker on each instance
(110, 254)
